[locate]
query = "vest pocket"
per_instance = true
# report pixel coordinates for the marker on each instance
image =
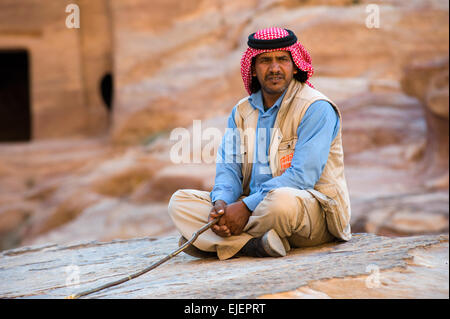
(335, 209)
(288, 144)
(286, 153)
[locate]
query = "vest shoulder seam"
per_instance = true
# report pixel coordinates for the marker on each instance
(244, 109)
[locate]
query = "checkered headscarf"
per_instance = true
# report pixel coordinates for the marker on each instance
(274, 39)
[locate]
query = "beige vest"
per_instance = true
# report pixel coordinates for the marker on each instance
(331, 189)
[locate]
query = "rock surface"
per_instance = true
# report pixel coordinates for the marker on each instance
(369, 265)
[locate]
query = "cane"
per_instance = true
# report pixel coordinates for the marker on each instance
(153, 266)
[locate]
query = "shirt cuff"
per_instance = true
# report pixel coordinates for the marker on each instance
(225, 196)
(253, 200)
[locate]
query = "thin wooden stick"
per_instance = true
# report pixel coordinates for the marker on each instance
(153, 266)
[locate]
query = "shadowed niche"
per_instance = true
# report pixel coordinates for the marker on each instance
(106, 88)
(15, 109)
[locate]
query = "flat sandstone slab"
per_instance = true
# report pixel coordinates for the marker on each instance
(368, 266)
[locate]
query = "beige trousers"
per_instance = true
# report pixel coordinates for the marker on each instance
(294, 214)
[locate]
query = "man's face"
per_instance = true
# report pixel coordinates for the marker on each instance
(274, 71)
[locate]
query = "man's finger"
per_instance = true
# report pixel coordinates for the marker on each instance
(221, 231)
(215, 215)
(221, 221)
(226, 231)
(220, 226)
(217, 212)
(221, 234)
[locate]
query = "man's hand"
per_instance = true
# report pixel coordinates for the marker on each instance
(236, 217)
(233, 218)
(218, 210)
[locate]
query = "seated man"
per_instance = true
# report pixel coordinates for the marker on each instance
(280, 169)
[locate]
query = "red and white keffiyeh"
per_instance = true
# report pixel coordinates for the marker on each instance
(299, 54)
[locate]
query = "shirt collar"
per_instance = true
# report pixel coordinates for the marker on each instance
(256, 100)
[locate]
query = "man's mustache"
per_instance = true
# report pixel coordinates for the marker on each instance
(272, 75)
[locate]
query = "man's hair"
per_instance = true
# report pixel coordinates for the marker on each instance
(300, 76)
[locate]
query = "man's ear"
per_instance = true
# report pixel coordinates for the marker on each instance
(295, 71)
(253, 71)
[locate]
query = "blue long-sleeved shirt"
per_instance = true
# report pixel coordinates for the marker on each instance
(316, 131)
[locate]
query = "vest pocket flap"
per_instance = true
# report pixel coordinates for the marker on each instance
(325, 201)
(326, 195)
(288, 144)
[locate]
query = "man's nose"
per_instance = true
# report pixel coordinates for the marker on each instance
(274, 66)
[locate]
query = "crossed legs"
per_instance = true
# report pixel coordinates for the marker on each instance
(294, 214)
